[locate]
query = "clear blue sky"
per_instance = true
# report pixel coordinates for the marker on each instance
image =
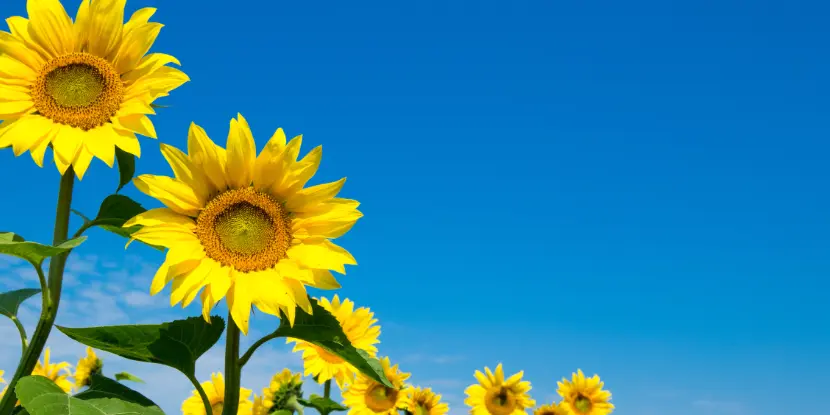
(638, 189)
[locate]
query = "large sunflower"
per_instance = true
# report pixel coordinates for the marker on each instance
(83, 87)
(423, 401)
(87, 367)
(215, 391)
(358, 324)
(243, 226)
(584, 396)
(52, 371)
(367, 397)
(494, 395)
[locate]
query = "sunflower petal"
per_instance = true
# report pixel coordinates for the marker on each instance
(174, 193)
(50, 26)
(136, 44)
(241, 154)
(106, 20)
(314, 195)
(325, 255)
(204, 155)
(161, 216)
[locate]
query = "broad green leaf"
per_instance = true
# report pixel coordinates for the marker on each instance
(126, 167)
(322, 404)
(177, 344)
(102, 387)
(40, 396)
(10, 301)
(14, 245)
(128, 376)
(116, 210)
(322, 329)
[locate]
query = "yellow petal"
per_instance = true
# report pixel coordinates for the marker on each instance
(39, 151)
(13, 93)
(314, 195)
(186, 171)
(218, 286)
(167, 236)
(25, 133)
(324, 280)
(298, 293)
(157, 83)
(239, 303)
(135, 45)
(17, 49)
(127, 141)
(184, 285)
(263, 179)
(148, 64)
(138, 123)
(19, 27)
(50, 26)
(81, 26)
(331, 225)
(161, 216)
(98, 142)
(172, 192)
(67, 143)
(15, 108)
(160, 279)
(204, 155)
(307, 168)
(324, 255)
(241, 154)
(81, 163)
(106, 20)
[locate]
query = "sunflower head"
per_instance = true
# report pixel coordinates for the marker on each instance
(52, 371)
(215, 391)
(359, 327)
(284, 386)
(584, 396)
(3, 381)
(365, 396)
(493, 395)
(423, 401)
(552, 409)
(82, 87)
(259, 407)
(87, 367)
(245, 227)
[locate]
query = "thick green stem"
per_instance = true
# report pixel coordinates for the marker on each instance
(49, 310)
(327, 389)
(202, 394)
(233, 371)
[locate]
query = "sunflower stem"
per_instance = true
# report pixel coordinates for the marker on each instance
(250, 352)
(201, 391)
(23, 340)
(233, 370)
(327, 389)
(49, 308)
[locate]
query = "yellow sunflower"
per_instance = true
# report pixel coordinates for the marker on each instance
(423, 401)
(243, 226)
(259, 407)
(52, 372)
(552, 409)
(358, 324)
(494, 395)
(366, 397)
(83, 87)
(283, 387)
(215, 391)
(87, 367)
(584, 396)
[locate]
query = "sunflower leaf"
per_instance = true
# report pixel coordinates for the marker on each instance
(126, 167)
(177, 344)
(127, 376)
(40, 396)
(116, 210)
(322, 404)
(14, 245)
(10, 301)
(102, 387)
(322, 329)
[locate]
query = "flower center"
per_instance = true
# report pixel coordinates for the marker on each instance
(245, 229)
(500, 401)
(582, 404)
(328, 357)
(421, 409)
(380, 398)
(216, 409)
(79, 90)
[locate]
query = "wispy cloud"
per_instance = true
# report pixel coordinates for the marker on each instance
(719, 407)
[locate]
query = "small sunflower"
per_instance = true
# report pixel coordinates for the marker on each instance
(358, 324)
(52, 372)
(494, 395)
(584, 396)
(83, 87)
(367, 397)
(87, 367)
(284, 386)
(243, 226)
(552, 409)
(424, 402)
(215, 391)
(259, 407)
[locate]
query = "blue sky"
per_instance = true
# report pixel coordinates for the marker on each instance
(638, 190)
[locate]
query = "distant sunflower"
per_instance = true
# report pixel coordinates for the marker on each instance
(259, 407)
(552, 409)
(584, 396)
(52, 371)
(423, 401)
(84, 88)
(215, 391)
(283, 387)
(367, 397)
(245, 227)
(87, 367)
(358, 324)
(494, 395)
(3, 381)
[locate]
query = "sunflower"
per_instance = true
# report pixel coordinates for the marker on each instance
(424, 402)
(284, 387)
(215, 391)
(360, 330)
(552, 409)
(367, 397)
(584, 396)
(243, 226)
(494, 395)
(259, 407)
(51, 371)
(83, 87)
(87, 367)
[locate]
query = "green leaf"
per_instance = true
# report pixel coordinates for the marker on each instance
(14, 245)
(177, 344)
(40, 396)
(10, 301)
(128, 376)
(102, 387)
(116, 210)
(322, 404)
(126, 167)
(323, 330)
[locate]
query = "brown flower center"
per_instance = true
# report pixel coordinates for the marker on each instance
(380, 398)
(582, 404)
(500, 401)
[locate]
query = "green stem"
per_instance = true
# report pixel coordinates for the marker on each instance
(233, 370)
(250, 352)
(327, 389)
(44, 286)
(23, 341)
(202, 394)
(49, 310)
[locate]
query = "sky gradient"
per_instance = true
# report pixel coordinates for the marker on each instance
(638, 190)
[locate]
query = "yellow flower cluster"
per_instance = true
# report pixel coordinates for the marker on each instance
(61, 374)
